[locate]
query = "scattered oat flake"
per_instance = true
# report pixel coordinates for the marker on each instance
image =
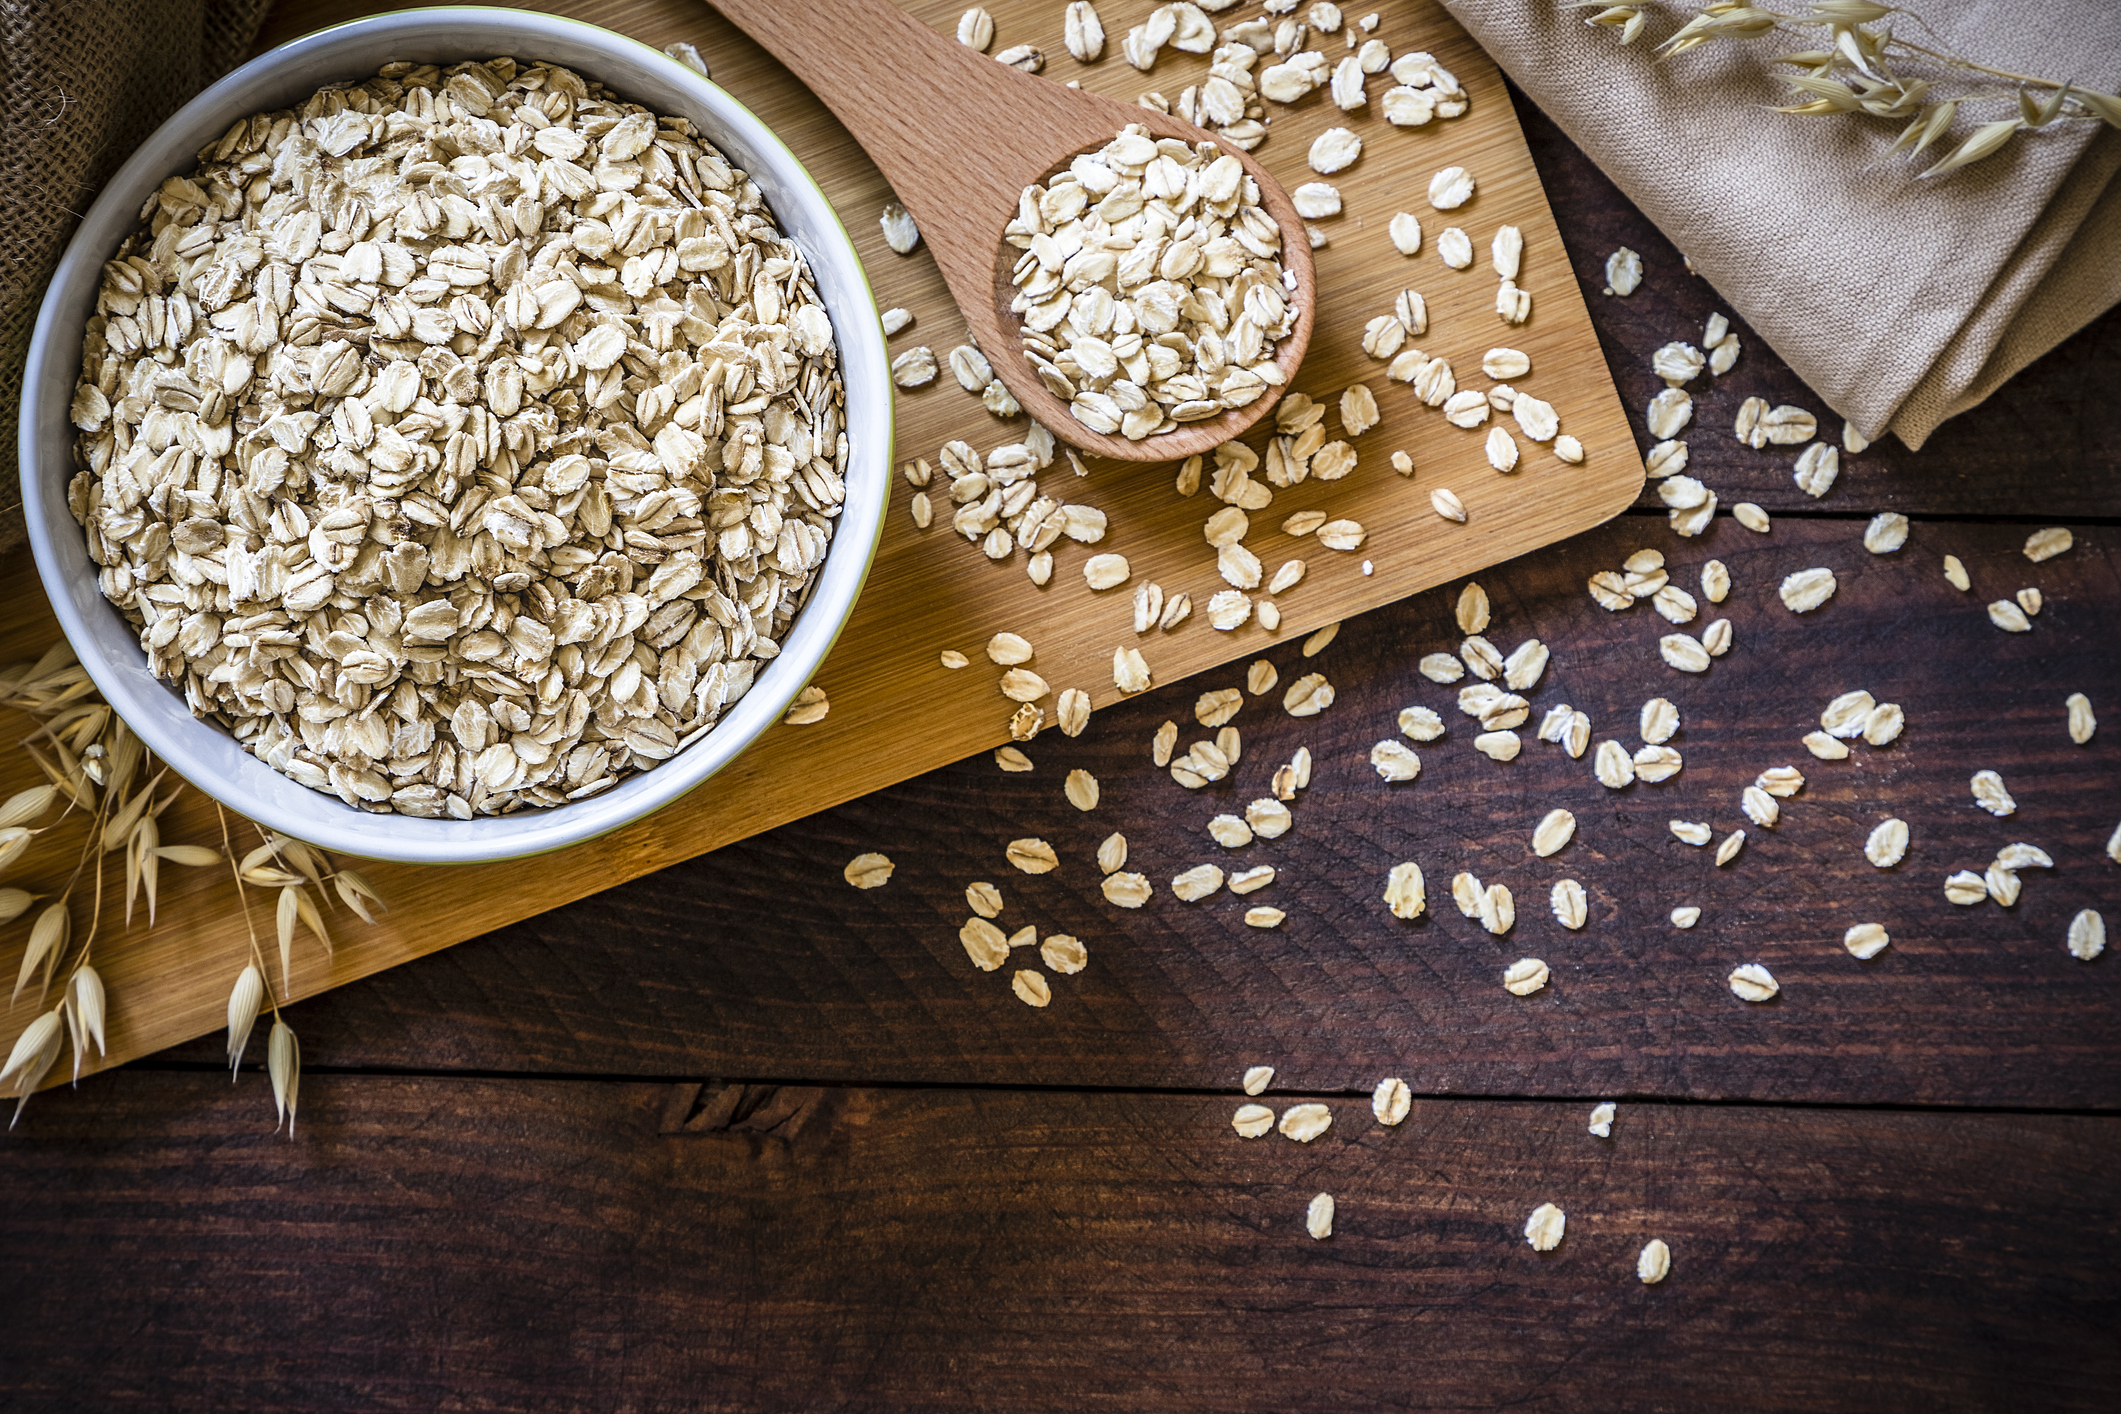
(1684, 652)
(1865, 941)
(1991, 795)
(1404, 890)
(1008, 650)
(1251, 1121)
(2087, 934)
(1685, 916)
(1308, 696)
(2048, 543)
(1753, 983)
(1498, 746)
(1623, 272)
(1130, 672)
(1081, 789)
(868, 871)
(1571, 907)
(1806, 590)
(1886, 533)
(1524, 977)
(1782, 782)
(984, 944)
(1316, 643)
(1751, 517)
(2082, 723)
(1306, 1122)
(1450, 188)
(1318, 1218)
(1126, 890)
(1195, 884)
(1554, 831)
(1546, 1227)
(1966, 888)
(809, 707)
(1264, 917)
(1655, 1263)
(1010, 758)
(1728, 850)
(899, 231)
(1602, 1119)
(2009, 617)
(1269, 818)
(1031, 989)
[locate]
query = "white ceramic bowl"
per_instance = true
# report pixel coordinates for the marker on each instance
(109, 647)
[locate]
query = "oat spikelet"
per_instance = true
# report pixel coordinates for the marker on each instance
(84, 1007)
(283, 1062)
(244, 1004)
(36, 1049)
(47, 939)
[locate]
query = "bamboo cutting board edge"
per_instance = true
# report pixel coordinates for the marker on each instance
(933, 590)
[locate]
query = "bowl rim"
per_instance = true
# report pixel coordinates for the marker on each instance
(323, 819)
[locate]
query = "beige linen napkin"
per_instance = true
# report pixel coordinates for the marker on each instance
(1900, 302)
(85, 82)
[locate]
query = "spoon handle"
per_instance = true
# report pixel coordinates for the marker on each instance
(940, 120)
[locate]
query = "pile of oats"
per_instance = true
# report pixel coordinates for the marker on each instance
(461, 441)
(1151, 285)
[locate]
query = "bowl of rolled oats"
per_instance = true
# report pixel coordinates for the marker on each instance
(443, 457)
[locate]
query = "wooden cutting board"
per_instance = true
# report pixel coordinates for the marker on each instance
(895, 711)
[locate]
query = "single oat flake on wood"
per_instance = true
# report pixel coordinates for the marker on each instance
(1524, 977)
(1303, 1123)
(1753, 983)
(1865, 941)
(868, 871)
(1032, 856)
(1545, 1228)
(1405, 893)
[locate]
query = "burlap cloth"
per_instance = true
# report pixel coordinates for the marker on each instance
(87, 81)
(1901, 302)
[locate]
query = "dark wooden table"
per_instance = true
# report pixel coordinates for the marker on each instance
(737, 1136)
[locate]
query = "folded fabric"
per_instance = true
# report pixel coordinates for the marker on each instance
(1900, 301)
(85, 85)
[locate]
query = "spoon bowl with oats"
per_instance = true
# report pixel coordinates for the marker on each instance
(1141, 289)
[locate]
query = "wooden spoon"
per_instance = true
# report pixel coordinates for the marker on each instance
(959, 137)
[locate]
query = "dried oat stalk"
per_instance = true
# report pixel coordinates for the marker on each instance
(101, 781)
(1851, 61)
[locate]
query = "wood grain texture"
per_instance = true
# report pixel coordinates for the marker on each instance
(2046, 444)
(476, 1245)
(959, 137)
(759, 961)
(896, 712)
